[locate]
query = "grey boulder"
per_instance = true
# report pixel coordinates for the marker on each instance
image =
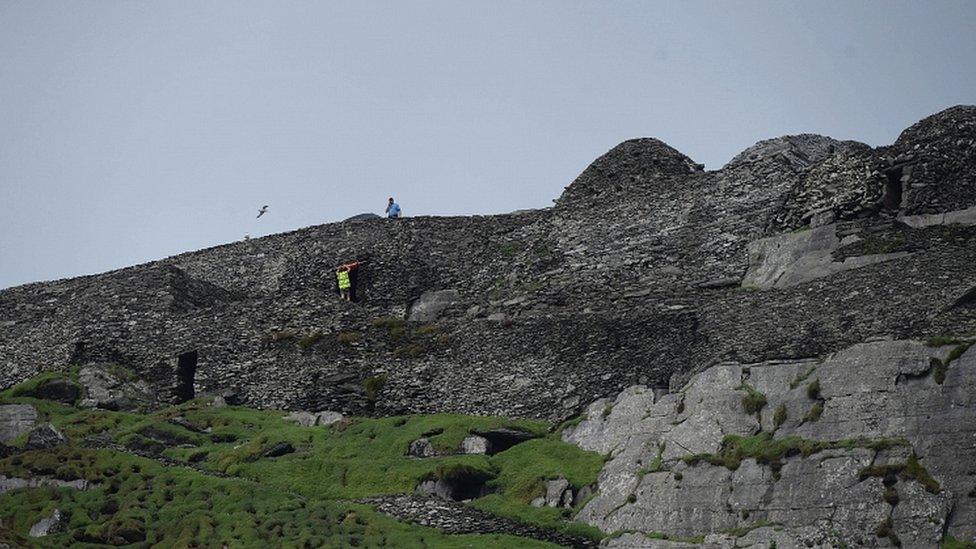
(15, 420)
(50, 525)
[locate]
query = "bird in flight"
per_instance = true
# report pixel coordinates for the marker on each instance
(263, 210)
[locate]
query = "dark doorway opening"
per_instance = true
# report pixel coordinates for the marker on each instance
(502, 439)
(893, 190)
(186, 372)
(458, 484)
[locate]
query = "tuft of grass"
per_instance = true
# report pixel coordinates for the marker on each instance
(815, 412)
(427, 329)
(939, 368)
(800, 378)
(915, 470)
(891, 496)
(349, 337)
(372, 386)
(411, 350)
(887, 530)
(813, 389)
(912, 469)
(754, 401)
(507, 250)
(655, 465)
(779, 416)
(958, 351)
(943, 340)
(308, 340)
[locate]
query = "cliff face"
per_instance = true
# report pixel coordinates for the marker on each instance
(649, 276)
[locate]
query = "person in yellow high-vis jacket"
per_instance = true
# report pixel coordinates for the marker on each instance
(344, 276)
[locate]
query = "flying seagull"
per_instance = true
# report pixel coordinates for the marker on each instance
(263, 210)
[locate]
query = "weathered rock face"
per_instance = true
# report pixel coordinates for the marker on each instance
(635, 276)
(45, 437)
(874, 442)
(312, 419)
(106, 387)
(50, 525)
(15, 420)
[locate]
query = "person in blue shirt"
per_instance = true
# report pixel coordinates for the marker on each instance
(392, 209)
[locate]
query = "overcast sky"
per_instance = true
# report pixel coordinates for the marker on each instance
(131, 131)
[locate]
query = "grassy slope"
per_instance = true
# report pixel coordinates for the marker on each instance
(298, 499)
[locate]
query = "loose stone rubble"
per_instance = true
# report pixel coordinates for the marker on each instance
(456, 518)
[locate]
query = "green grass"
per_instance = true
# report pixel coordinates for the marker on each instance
(780, 415)
(800, 378)
(373, 385)
(912, 469)
(520, 475)
(952, 543)
(139, 501)
(297, 498)
(349, 337)
(813, 389)
(655, 464)
(30, 386)
(754, 401)
(771, 451)
(943, 340)
(814, 414)
(940, 368)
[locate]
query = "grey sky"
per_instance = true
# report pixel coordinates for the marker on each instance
(135, 130)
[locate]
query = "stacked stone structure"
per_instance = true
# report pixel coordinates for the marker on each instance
(636, 275)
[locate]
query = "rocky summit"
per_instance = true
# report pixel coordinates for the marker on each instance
(776, 353)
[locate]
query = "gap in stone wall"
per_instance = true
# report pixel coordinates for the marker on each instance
(186, 371)
(893, 190)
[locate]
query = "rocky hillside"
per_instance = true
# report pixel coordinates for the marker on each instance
(773, 353)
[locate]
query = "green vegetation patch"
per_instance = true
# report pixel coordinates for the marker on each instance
(372, 386)
(952, 543)
(139, 502)
(754, 401)
(814, 414)
(655, 465)
(30, 387)
(779, 415)
(295, 499)
(307, 340)
(349, 337)
(940, 368)
(813, 389)
(912, 469)
(771, 451)
(800, 378)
